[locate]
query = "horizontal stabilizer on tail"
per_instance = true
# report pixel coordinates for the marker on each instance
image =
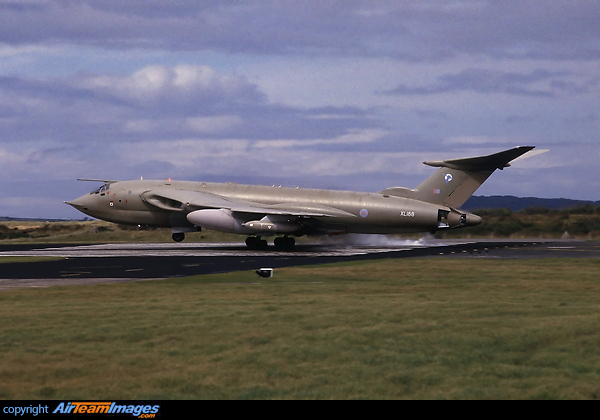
(106, 181)
(458, 179)
(483, 163)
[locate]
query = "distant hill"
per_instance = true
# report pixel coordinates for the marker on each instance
(521, 203)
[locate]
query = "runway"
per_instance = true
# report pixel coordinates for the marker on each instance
(104, 263)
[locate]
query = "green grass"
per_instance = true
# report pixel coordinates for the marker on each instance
(395, 329)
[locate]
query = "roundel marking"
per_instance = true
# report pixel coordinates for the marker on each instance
(448, 178)
(364, 213)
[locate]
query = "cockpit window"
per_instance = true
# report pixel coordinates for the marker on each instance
(102, 190)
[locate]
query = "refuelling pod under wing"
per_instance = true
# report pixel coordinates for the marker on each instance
(225, 220)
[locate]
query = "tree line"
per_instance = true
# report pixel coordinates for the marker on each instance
(581, 221)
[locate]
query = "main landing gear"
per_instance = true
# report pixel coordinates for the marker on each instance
(255, 242)
(284, 242)
(178, 236)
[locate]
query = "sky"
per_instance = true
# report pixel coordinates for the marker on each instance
(340, 94)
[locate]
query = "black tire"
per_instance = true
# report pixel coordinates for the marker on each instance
(178, 236)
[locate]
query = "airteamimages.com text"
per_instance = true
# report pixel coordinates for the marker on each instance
(68, 408)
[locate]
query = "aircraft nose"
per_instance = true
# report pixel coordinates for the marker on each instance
(82, 203)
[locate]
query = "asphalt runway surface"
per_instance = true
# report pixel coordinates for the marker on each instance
(105, 263)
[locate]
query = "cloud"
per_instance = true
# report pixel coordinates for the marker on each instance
(6, 157)
(480, 140)
(160, 103)
(183, 88)
(424, 30)
(542, 83)
(262, 157)
(181, 121)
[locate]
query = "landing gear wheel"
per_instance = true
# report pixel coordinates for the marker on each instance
(178, 236)
(284, 243)
(254, 242)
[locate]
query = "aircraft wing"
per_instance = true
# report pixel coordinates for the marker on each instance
(168, 199)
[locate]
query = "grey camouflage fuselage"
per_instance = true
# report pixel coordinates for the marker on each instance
(273, 210)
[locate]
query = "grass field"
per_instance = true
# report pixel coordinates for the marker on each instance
(394, 329)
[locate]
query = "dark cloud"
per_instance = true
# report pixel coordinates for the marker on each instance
(159, 103)
(424, 30)
(494, 81)
(513, 28)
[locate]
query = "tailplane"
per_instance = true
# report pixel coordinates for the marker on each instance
(458, 179)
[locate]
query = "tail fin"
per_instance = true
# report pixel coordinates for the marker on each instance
(458, 179)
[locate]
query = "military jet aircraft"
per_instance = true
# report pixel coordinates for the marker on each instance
(262, 211)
